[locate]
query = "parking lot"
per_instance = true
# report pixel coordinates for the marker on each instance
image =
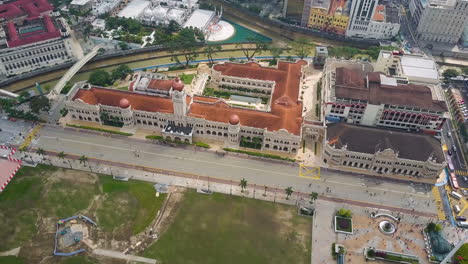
(13, 132)
(458, 205)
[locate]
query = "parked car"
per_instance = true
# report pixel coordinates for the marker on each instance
(465, 178)
(465, 192)
(12, 119)
(460, 218)
(449, 152)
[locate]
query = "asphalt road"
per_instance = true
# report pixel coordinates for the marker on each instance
(205, 163)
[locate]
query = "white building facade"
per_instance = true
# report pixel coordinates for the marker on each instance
(439, 20)
(360, 17)
(390, 153)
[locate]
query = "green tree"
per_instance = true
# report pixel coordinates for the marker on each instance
(276, 53)
(450, 73)
(288, 191)
(83, 159)
(120, 72)
(255, 46)
(100, 78)
(301, 47)
(40, 151)
(40, 103)
(211, 50)
(185, 44)
(344, 213)
(123, 45)
(243, 184)
(465, 71)
(313, 196)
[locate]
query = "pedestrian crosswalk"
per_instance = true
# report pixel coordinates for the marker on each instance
(30, 137)
(438, 199)
(462, 173)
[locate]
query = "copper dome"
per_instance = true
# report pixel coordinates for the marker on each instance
(177, 84)
(124, 103)
(234, 119)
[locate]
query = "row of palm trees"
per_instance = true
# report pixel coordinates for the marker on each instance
(289, 191)
(243, 183)
(61, 155)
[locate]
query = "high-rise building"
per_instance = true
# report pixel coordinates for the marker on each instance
(361, 14)
(439, 20)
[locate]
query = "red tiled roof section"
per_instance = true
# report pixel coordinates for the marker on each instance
(33, 8)
(379, 14)
(110, 97)
(157, 84)
(351, 84)
(286, 110)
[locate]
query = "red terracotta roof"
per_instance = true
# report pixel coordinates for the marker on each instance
(160, 84)
(286, 110)
(31, 8)
(16, 40)
(111, 97)
(379, 14)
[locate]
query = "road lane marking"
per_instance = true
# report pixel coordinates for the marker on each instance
(235, 166)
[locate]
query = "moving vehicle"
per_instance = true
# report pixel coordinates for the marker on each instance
(454, 149)
(455, 195)
(449, 134)
(449, 152)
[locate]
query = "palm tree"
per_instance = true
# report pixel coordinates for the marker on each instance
(83, 159)
(313, 196)
(40, 151)
(288, 191)
(62, 156)
(243, 184)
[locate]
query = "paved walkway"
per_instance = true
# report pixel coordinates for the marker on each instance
(323, 234)
(120, 255)
(11, 252)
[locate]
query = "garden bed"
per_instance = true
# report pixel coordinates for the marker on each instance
(378, 254)
(343, 225)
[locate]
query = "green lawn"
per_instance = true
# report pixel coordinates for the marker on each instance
(11, 260)
(187, 78)
(137, 202)
(79, 259)
(463, 252)
(229, 229)
(49, 192)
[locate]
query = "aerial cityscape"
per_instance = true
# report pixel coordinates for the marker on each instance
(241, 131)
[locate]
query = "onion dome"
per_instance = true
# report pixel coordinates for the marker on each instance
(147, 13)
(177, 84)
(159, 12)
(234, 119)
(124, 103)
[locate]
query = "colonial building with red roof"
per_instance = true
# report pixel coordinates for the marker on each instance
(170, 111)
(31, 37)
(356, 94)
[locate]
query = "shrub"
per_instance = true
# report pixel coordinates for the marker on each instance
(344, 213)
(343, 224)
(371, 253)
(203, 145)
(257, 154)
(101, 130)
(333, 250)
(154, 137)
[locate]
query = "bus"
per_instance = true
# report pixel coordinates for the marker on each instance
(450, 164)
(462, 224)
(453, 181)
(455, 195)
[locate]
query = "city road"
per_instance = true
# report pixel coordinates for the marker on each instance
(206, 163)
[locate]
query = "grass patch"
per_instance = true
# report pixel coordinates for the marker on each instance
(462, 252)
(241, 230)
(11, 260)
(139, 207)
(187, 78)
(101, 130)
(258, 154)
(80, 259)
(154, 137)
(203, 145)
